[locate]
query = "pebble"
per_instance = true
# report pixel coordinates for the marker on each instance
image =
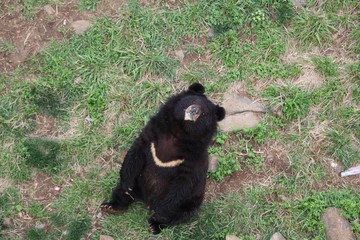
(49, 10)
(231, 237)
(81, 26)
(105, 237)
(277, 236)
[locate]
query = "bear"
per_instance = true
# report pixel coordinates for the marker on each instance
(166, 166)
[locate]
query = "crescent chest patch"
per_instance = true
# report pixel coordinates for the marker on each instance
(159, 163)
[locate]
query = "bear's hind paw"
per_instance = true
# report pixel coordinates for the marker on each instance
(109, 207)
(154, 227)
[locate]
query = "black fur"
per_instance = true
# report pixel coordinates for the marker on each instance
(173, 193)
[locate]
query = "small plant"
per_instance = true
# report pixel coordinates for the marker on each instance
(88, 5)
(36, 210)
(284, 11)
(258, 17)
(6, 47)
(325, 66)
(227, 163)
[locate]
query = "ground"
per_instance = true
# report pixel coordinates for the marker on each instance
(71, 103)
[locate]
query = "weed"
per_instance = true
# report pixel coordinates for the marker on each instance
(30, 7)
(10, 202)
(6, 47)
(254, 160)
(88, 5)
(325, 66)
(226, 159)
(261, 132)
(36, 210)
(284, 11)
(227, 163)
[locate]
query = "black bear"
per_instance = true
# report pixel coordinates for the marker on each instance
(166, 166)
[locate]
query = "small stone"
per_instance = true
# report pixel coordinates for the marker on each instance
(277, 236)
(299, 3)
(49, 10)
(336, 226)
(39, 225)
(105, 237)
(180, 54)
(213, 163)
(81, 26)
(88, 119)
(231, 237)
(7, 222)
(77, 80)
(210, 33)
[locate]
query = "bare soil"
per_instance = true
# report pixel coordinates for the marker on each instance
(49, 23)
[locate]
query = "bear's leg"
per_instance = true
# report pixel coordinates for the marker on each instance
(126, 190)
(163, 218)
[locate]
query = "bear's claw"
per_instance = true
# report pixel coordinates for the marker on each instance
(108, 208)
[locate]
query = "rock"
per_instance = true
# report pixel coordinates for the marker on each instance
(213, 163)
(235, 119)
(80, 26)
(231, 237)
(336, 226)
(39, 225)
(277, 236)
(180, 54)
(105, 237)
(7, 222)
(49, 10)
(210, 33)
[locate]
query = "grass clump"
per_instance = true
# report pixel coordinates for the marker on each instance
(313, 29)
(6, 47)
(325, 66)
(36, 234)
(88, 5)
(295, 102)
(340, 147)
(78, 228)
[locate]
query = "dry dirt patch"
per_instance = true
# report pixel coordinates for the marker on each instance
(50, 23)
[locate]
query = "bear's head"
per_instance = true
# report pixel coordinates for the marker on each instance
(196, 114)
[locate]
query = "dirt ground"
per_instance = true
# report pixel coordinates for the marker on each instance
(49, 23)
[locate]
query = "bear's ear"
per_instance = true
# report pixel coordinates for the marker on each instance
(197, 88)
(220, 113)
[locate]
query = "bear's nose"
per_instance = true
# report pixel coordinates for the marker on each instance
(192, 112)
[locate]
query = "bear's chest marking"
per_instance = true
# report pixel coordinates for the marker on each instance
(159, 163)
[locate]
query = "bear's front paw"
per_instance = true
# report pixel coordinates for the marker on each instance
(154, 226)
(110, 207)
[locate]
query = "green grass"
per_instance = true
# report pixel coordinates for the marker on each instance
(93, 93)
